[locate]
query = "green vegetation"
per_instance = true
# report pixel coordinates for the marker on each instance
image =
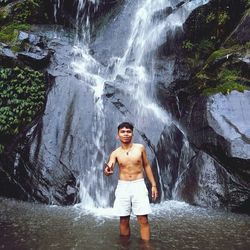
(22, 96)
(224, 88)
(9, 33)
(22, 91)
(19, 16)
(187, 45)
(24, 11)
(228, 81)
(247, 3)
(217, 54)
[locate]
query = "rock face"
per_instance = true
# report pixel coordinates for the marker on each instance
(211, 167)
(228, 116)
(34, 52)
(7, 57)
(65, 11)
(216, 172)
(219, 173)
(206, 183)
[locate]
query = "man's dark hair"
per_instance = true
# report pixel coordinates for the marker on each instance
(125, 125)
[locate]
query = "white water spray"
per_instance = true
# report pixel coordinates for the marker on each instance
(135, 67)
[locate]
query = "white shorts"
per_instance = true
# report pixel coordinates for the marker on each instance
(131, 195)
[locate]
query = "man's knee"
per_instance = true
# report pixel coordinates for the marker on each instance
(124, 220)
(143, 220)
(124, 226)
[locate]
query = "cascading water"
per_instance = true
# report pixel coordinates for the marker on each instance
(132, 78)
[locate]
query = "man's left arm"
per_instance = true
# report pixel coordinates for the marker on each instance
(149, 173)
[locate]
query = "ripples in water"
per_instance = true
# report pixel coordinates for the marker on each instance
(174, 225)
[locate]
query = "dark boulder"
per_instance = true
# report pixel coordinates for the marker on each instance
(7, 57)
(35, 60)
(205, 182)
(33, 52)
(241, 33)
(19, 179)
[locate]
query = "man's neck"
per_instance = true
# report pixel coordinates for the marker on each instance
(126, 145)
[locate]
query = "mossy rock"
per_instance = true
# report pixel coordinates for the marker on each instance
(24, 11)
(5, 14)
(19, 15)
(10, 32)
(215, 20)
(208, 26)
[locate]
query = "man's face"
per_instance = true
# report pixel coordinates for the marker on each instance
(125, 135)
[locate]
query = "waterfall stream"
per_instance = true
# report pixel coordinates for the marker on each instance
(136, 71)
(120, 72)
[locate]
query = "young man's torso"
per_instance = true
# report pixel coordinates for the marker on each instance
(130, 162)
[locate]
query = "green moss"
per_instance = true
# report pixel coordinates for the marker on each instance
(228, 76)
(202, 76)
(228, 81)
(217, 54)
(3, 15)
(9, 33)
(22, 95)
(247, 45)
(205, 47)
(225, 88)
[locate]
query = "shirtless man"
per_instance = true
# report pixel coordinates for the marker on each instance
(131, 191)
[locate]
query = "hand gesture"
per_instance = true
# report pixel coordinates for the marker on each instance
(108, 170)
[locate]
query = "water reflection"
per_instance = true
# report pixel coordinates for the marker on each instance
(174, 225)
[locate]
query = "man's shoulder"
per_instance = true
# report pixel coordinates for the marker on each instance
(138, 145)
(116, 151)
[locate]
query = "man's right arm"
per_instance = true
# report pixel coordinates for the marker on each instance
(109, 167)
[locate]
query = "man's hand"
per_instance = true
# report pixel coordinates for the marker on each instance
(154, 192)
(108, 170)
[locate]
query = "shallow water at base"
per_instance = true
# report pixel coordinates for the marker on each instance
(174, 225)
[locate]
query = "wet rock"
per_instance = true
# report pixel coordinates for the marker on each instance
(219, 126)
(35, 60)
(7, 57)
(161, 14)
(169, 154)
(207, 183)
(228, 116)
(31, 39)
(241, 33)
(33, 182)
(33, 52)
(23, 36)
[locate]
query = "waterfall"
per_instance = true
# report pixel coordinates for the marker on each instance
(130, 75)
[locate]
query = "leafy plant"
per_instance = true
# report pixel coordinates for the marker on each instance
(228, 81)
(225, 88)
(222, 18)
(211, 17)
(217, 54)
(187, 45)
(22, 95)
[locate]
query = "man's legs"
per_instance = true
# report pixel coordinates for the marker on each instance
(124, 226)
(144, 227)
